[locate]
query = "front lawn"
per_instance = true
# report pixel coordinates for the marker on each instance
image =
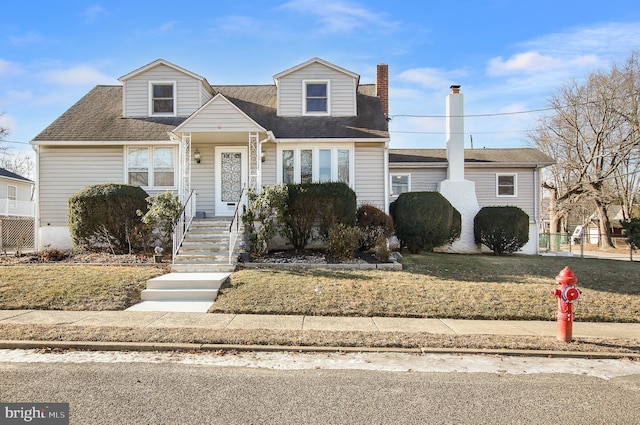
(441, 286)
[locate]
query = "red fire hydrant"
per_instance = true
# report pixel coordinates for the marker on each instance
(567, 294)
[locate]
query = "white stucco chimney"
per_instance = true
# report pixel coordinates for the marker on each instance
(455, 134)
(459, 192)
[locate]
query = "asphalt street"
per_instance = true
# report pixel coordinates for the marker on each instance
(183, 388)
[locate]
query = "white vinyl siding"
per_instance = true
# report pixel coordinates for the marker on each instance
(219, 115)
(370, 175)
(341, 95)
(485, 181)
(188, 92)
(202, 176)
(423, 180)
(269, 164)
(60, 184)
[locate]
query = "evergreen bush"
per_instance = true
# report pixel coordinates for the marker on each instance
(501, 229)
(425, 220)
(105, 216)
(322, 204)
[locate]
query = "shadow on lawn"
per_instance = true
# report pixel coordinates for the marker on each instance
(597, 274)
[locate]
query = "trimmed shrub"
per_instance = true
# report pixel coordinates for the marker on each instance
(374, 224)
(343, 241)
(501, 229)
(325, 204)
(425, 220)
(105, 216)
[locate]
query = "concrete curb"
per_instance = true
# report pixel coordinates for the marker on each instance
(158, 346)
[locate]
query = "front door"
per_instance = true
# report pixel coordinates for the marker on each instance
(231, 171)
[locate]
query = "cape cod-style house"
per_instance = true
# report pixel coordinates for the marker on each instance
(167, 128)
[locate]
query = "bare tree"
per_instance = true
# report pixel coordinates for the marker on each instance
(20, 163)
(593, 135)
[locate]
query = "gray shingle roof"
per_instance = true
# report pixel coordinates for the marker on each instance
(259, 102)
(98, 117)
(6, 173)
(501, 156)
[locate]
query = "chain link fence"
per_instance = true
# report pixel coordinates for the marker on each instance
(568, 243)
(17, 234)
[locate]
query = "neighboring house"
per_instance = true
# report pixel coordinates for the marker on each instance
(501, 177)
(16, 195)
(166, 128)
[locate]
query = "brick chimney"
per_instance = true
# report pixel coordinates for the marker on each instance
(382, 86)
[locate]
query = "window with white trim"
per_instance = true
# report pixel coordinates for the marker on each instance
(162, 98)
(301, 164)
(400, 183)
(151, 167)
(316, 97)
(506, 184)
(12, 196)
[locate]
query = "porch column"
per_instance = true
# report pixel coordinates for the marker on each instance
(254, 161)
(185, 160)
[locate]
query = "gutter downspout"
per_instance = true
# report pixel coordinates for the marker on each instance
(36, 223)
(270, 137)
(386, 177)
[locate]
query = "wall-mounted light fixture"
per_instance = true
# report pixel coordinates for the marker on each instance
(196, 156)
(262, 157)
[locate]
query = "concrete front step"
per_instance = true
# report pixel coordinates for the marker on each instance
(184, 287)
(179, 295)
(202, 258)
(204, 244)
(202, 280)
(202, 268)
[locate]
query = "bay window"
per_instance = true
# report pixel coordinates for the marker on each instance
(298, 164)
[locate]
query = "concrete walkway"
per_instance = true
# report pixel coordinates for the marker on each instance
(160, 320)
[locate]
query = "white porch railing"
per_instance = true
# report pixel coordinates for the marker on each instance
(234, 227)
(183, 223)
(11, 208)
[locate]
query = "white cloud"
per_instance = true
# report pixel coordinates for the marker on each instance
(339, 16)
(28, 38)
(9, 69)
(431, 78)
(80, 75)
(534, 62)
(160, 30)
(93, 13)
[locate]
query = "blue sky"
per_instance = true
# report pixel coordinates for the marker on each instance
(508, 55)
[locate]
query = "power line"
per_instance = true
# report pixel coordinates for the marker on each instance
(13, 141)
(496, 114)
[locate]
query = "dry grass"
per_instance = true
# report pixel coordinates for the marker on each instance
(442, 286)
(64, 287)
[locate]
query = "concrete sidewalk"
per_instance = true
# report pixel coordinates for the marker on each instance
(160, 320)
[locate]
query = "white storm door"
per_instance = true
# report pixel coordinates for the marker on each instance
(231, 171)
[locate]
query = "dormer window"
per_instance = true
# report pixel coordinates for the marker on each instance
(162, 98)
(316, 100)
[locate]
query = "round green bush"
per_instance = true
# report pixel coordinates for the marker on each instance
(104, 217)
(501, 229)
